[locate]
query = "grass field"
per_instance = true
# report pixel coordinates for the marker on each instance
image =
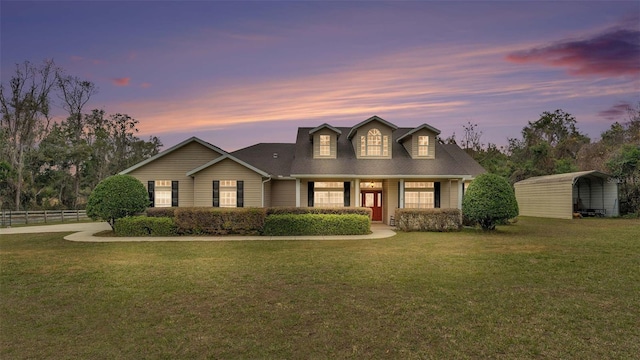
(536, 289)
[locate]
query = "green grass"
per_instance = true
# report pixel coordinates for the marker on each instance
(536, 289)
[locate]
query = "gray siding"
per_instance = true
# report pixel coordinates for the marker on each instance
(364, 129)
(316, 144)
(283, 193)
(174, 166)
(227, 170)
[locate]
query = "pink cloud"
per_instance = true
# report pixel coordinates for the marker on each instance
(124, 81)
(145, 85)
(616, 111)
(614, 53)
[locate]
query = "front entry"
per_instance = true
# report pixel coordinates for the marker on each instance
(373, 200)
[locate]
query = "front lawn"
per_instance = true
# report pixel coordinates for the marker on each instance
(537, 289)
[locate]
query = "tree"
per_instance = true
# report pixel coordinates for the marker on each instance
(549, 145)
(488, 200)
(116, 197)
(24, 110)
(74, 94)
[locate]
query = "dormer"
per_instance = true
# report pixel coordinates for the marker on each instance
(420, 142)
(325, 141)
(371, 139)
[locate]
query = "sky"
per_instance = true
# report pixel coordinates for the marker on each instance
(236, 73)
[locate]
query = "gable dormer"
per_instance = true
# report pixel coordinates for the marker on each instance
(371, 139)
(420, 142)
(325, 141)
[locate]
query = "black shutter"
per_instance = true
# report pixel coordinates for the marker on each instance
(436, 195)
(347, 193)
(174, 194)
(216, 193)
(310, 194)
(151, 188)
(240, 193)
(399, 195)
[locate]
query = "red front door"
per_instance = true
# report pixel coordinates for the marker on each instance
(373, 200)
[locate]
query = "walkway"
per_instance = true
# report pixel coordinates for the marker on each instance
(84, 233)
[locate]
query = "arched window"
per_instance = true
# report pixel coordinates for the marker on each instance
(374, 144)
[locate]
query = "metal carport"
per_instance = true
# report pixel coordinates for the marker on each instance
(590, 193)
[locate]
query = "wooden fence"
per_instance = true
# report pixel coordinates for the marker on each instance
(10, 218)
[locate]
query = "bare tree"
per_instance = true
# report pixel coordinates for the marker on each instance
(74, 94)
(25, 115)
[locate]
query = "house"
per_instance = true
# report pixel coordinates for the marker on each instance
(589, 193)
(374, 164)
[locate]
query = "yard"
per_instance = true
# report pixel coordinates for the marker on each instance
(538, 289)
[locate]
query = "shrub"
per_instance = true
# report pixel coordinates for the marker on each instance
(116, 197)
(161, 212)
(489, 200)
(316, 224)
(318, 210)
(428, 219)
(220, 221)
(145, 226)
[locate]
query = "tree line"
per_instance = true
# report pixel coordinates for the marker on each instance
(47, 164)
(553, 144)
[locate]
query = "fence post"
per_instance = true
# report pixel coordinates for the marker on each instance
(45, 216)
(26, 217)
(77, 215)
(62, 215)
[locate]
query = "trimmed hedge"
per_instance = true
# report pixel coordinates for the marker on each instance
(318, 210)
(316, 224)
(145, 226)
(161, 212)
(428, 219)
(220, 221)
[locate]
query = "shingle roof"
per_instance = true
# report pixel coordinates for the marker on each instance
(262, 157)
(450, 160)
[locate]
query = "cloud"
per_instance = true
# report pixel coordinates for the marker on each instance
(616, 111)
(124, 81)
(612, 53)
(145, 85)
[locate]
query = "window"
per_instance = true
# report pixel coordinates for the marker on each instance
(374, 144)
(228, 194)
(162, 196)
(423, 145)
(419, 184)
(325, 145)
(418, 199)
(330, 195)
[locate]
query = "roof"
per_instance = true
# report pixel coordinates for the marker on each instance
(567, 177)
(325, 126)
(450, 161)
(354, 129)
(172, 149)
(223, 157)
(262, 156)
(423, 126)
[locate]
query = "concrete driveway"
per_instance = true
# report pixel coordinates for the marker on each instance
(83, 232)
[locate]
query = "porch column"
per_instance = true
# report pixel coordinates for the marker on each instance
(357, 193)
(297, 192)
(401, 193)
(460, 192)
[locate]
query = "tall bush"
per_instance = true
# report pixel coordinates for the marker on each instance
(116, 197)
(488, 200)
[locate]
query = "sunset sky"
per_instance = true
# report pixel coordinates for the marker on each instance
(237, 73)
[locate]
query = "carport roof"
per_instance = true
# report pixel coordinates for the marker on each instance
(568, 177)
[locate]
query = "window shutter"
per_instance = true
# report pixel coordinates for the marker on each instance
(310, 194)
(151, 188)
(399, 195)
(240, 193)
(436, 195)
(216, 193)
(347, 193)
(174, 194)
